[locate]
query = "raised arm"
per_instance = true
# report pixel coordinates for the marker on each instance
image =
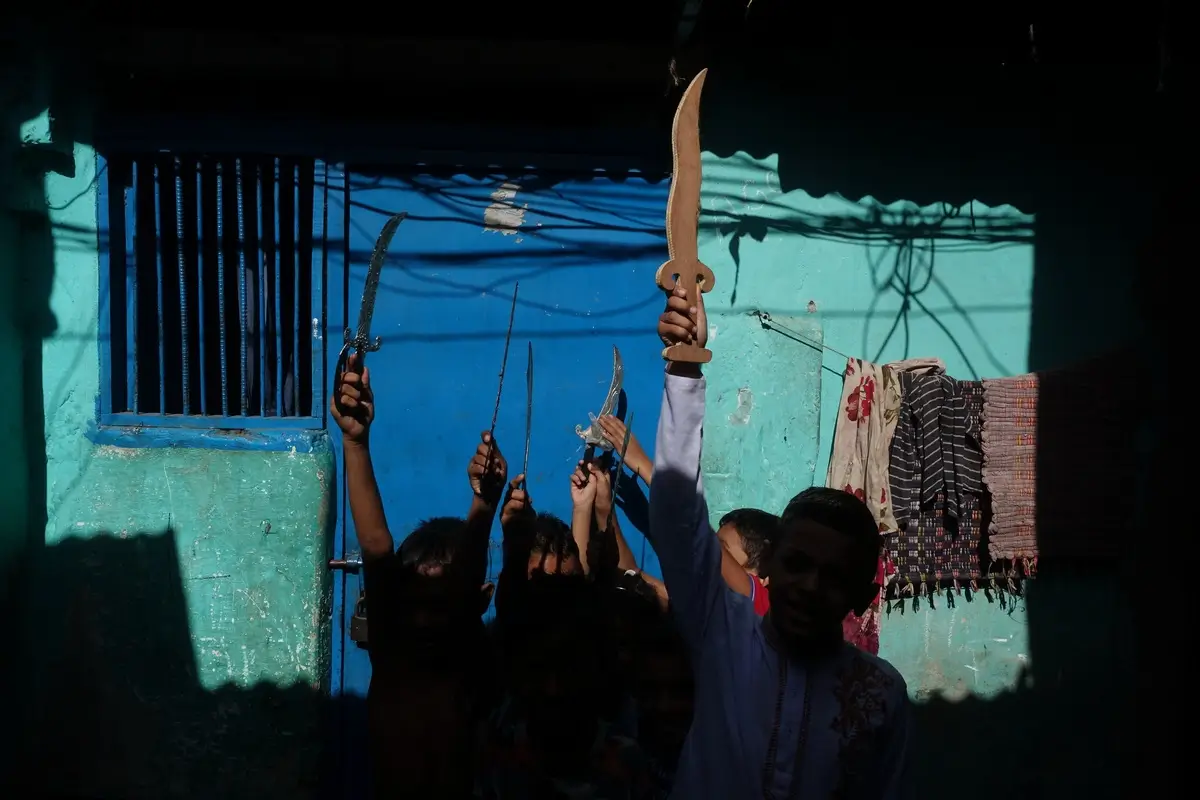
(487, 472)
(688, 551)
(583, 498)
(606, 518)
(517, 520)
(607, 523)
(635, 458)
(353, 409)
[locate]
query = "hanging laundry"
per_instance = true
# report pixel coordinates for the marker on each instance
(936, 480)
(862, 437)
(865, 421)
(1061, 460)
(1010, 465)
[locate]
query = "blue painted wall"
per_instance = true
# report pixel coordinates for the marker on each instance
(583, 248)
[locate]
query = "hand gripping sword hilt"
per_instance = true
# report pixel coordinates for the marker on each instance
(355, 344)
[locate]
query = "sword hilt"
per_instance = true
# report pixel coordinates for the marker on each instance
(589, 455)
(358, 345)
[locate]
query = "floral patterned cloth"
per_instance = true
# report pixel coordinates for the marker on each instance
(865, 422)
(862, 438)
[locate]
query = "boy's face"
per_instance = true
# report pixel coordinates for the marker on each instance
(731, 540)
(813, 582)
(552, 564)
(434, 602)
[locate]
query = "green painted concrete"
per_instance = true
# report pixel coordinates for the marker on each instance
(969, 304)
(250, 526)
(248, 531)
(763, 410)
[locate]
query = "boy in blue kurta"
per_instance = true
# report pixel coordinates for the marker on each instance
(784, 708)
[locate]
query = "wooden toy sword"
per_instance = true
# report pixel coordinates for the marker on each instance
(684, 267)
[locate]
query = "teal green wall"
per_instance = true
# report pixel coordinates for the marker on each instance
(244, 645)
(970, 306)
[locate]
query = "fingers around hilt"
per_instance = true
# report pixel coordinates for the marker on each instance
(343, 360)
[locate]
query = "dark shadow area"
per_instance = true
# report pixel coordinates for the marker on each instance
(121, 712)
(26, 278)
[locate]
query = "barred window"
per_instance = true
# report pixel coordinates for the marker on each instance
(213, 267)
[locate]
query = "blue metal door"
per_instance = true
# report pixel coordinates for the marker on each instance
(584, 248)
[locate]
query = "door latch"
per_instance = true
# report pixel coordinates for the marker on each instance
(351, 563)
(358, 622)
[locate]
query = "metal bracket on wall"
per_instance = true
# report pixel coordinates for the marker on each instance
(358, 623)
(351, 563)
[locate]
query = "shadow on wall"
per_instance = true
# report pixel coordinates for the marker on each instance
(26, 277)
(104, 700)
(122, 713)
(1061, 730)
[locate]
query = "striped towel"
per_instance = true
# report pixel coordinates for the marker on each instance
(1060, 458)
(1009, 444)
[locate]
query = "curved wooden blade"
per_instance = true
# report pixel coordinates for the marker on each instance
(683, 203)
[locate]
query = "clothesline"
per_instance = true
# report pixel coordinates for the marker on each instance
(767, 322)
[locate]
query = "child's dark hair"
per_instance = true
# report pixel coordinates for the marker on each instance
(437, 545)
(756, 528)
(844, 513)
(553, 535)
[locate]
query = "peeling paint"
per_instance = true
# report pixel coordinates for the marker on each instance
(503, 214)
(745, 404)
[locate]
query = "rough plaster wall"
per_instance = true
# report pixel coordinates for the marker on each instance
(969, 305)
(193, 589)
(71, 357)
(763, 409)
(248, 534)
(189, 585)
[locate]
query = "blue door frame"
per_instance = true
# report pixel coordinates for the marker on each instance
(584, 247)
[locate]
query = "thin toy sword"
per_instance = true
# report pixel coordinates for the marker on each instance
(528, 413)
(503, 365)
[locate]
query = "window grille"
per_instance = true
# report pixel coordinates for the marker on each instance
(214, 268)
